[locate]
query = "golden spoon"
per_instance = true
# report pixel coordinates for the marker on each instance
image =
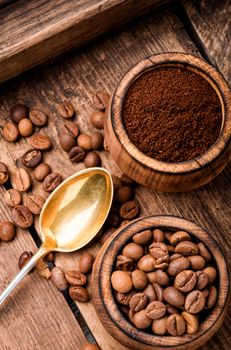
(71, 216)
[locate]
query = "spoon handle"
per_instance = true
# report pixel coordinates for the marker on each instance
(27, 268)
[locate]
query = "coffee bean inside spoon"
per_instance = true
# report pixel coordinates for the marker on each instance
(71, 217)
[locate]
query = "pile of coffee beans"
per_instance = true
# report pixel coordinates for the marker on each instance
(165, 282)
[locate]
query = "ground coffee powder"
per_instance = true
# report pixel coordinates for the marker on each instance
(172, 114)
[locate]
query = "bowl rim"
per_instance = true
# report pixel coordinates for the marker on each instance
(111, 248)
(198, 66)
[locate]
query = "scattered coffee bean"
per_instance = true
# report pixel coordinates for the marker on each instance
(97, 119)
(124, 194)
(66, 110)
(92, 159)
(97, 141)
(67, 141)
(101, 99)
(186, 248)
(7, 231)
(21, 179)
(40, 142)
(139, 279)
(90, 346)
(138, 301)
(79, 294)
(58, 278)
(192, 323)
(24, 258)
(38, 117)
(211, 273)
(173, 296)
(85, 262)
(41, 171)
(159, 326)
(176, 325)
(10, 132)
(84, 141)
(194, 302)
(77, 154)
(133, 251)
(143, 237)
(18, 112)
(12, 197)
(71, 128)
(158, 235)
(4, 173)
(22, 217)
(31, 158)
(25, 127)
(141, 320)
(75, 278)
(185, 281)
(121, 281)
(129, 210)
(35, 203)
(52, 181)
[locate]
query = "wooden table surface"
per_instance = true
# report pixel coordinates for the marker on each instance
(37, 316)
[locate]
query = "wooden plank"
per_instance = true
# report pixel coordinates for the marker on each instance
(211, 21)
(36, 315)
(76, 77)
(33, 32)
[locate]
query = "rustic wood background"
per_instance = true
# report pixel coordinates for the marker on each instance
(37, 316)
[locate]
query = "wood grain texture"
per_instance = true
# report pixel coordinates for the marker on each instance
(36, 313)
(211, 21)
(76, 78)
(33, 32)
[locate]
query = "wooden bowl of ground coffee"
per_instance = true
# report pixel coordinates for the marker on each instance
(169, 122)
(124, 253)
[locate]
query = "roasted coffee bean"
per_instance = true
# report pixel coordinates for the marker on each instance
(22, 217)
(186, 248)
(139, 279)
(35, 203)
(158, 250)
(159, 326)
(77, 154)
(192, 324)
(202, 280)
(75, 278)
(124, 263)
(159, 291)
(10, 132)
(101, 99)
(21, 179)
(113, 220)
(174, 257)
(151, 276)
(129, 210)
(41, 171)
(173, 296)
(66, 110)
(143, 237)
(40, 142)
(171, 309)
(211, 298)
(175, 325)
(141, 320)
(12, 197)
(162, 278)
(58, 278)
(162, 263)
(90, 346)
(194, 302)
(31, 158)
(211, 272)
(150, 292)
(84, 141)
(7, 231)
(204, 252)
(121, 281)
(52, 181)
(155, 310)
(97, 119)
(197, 262)
(71, 128)
(124, 194)
(168, 236)
(79, 294)
(18, 112)
(38, 117)
(85, 262)
(24, 258)
(25, 127)
(138, 301)
(92, 159)
(146, 263)
(4, 173)
(205, 292)
(158, 235)
(179, 236)
(185, 281)
(43, 269)
(97, 141)
(178, 265)
(124, 299)
(133, 251)
(67, 141)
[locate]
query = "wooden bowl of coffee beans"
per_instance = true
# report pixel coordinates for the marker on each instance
(168, 123)
(161, 282)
